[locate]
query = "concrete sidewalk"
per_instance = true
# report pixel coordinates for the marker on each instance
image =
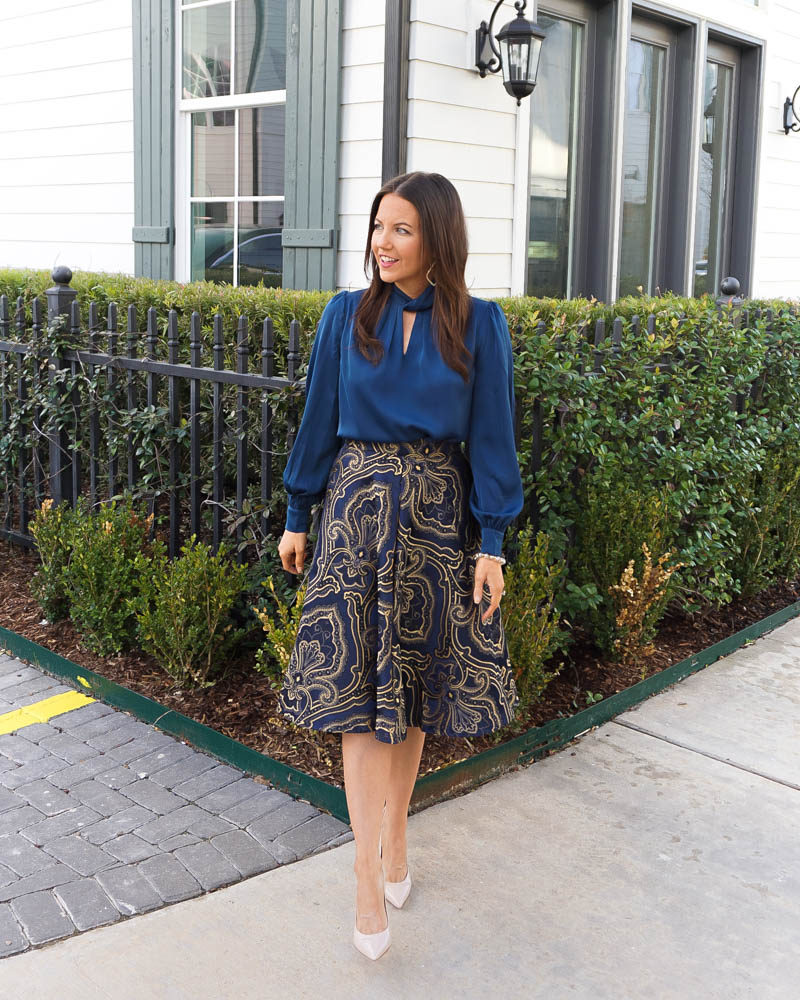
(658, 857)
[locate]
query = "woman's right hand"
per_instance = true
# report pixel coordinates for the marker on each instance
(292, 550)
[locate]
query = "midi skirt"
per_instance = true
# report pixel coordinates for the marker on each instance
(389, 635)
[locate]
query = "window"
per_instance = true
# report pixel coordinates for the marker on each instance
(715, 168)
(555, 122)
(570, 150)
(643, 165)
(624, 192)
(233, 104)
(657, 152)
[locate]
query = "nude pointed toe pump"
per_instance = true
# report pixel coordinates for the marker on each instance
(396, 892)
(373, 945)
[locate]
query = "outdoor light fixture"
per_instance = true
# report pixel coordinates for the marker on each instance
(520, 45)
(791, 119)
(708, 123)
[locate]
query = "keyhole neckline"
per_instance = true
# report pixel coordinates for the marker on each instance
(405, 346)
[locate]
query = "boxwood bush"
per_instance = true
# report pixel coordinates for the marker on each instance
(673, 423)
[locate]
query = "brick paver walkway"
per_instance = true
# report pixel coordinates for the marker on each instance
(102, 817)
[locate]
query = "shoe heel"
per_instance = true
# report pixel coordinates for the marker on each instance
(397, 892)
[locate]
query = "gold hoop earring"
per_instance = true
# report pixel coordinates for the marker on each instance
(428, 276)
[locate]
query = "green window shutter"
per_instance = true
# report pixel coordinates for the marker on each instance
(313, 59)
(153, 135)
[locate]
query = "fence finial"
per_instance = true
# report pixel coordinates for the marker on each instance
(60, 297)
(729, 292)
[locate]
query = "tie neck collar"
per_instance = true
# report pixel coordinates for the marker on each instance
(423, 301)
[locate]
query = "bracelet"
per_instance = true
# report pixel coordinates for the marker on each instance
(488, 555)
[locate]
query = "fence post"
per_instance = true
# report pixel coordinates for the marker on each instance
(59, 302)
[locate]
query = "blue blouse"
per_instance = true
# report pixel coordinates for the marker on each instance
(408, 396)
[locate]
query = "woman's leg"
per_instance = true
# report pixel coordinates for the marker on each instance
(402, 775)
(367, 766)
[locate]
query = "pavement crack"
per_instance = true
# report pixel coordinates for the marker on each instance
(706, 753)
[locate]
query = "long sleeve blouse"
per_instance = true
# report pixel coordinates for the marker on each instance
(408, 396)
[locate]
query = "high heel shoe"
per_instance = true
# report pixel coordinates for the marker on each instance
(373, 945)
(396, 892)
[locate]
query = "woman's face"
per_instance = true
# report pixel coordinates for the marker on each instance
(397, 245)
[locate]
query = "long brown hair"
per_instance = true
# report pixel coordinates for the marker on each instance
(444, 245)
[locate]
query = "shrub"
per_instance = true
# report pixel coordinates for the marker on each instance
(529, 621)
(640, 605)
(695, 406)
(618, 515)
(768, 521)
(99, 575)
(183, 610)
(53, 529)
(272, 659)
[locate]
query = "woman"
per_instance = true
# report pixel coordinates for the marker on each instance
(390, 644)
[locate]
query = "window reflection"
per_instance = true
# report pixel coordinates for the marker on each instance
(237, 154)
(642, 166)
(260, 45)
(261, 150)
(253, 226)
(709, 239)
(212, 236)
(554, 131)
(212, 155)
(207, 51)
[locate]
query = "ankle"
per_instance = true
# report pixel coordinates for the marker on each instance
(367, 868)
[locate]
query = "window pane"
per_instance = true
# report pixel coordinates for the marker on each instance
(212, 154)
(260, 45)
(641, 158)
(261, 150)
(260, 253)
(715, 152)
(554, 127)
(207, 51)
(212, 241)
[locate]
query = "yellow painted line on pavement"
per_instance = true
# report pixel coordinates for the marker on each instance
(41, 711)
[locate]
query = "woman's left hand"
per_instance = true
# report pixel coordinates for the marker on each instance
(491, 572)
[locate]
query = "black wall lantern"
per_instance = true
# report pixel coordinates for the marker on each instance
(520, 45)
(791, 119)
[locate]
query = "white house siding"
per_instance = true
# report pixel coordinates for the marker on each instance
(777, 262)
(467, 129)
(66, 134)
(361, 129)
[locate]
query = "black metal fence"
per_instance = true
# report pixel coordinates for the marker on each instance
(231, 445)
(53, 467)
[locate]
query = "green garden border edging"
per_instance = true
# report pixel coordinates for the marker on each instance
(430, 788)
(535, 743)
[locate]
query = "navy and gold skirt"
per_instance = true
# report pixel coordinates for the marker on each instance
(389, 635)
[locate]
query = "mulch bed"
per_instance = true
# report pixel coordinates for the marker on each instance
(243, 706)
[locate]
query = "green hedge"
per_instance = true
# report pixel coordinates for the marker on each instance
(719, 487)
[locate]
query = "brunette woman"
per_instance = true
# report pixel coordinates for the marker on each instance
(400, 633)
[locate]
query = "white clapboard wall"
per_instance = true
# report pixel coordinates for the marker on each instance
(66, 134)
(361, 129)
(777, 255)
(465, 128)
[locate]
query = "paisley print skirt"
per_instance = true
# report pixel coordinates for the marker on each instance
(389, 635)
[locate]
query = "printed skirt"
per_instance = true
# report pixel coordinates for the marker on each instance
(389, 635)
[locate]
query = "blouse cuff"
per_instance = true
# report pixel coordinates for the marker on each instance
(491, 541)
(297, 518)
